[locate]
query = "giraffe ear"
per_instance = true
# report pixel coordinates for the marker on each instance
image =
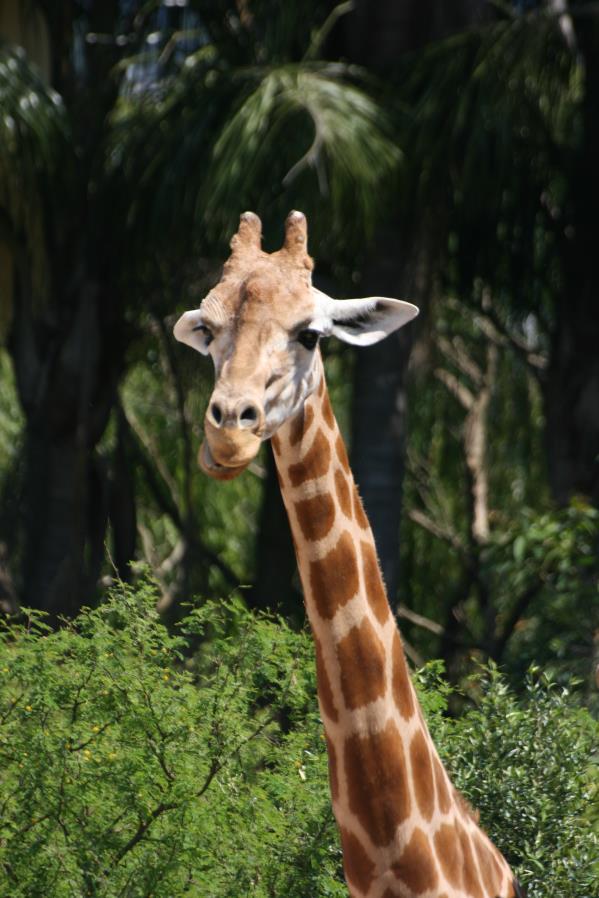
(190, 329)
(363, 322)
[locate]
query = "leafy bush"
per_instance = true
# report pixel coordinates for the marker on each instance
(530, 767)
(129, 768)
(553, 558)
(127, 772)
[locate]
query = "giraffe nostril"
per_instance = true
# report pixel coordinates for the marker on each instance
(215, 411)
(249, 415)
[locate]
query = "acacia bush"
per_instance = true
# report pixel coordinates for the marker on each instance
(529, 766)
(135, 762)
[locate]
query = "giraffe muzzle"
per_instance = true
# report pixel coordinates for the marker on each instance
(210, 467)
(227, 451)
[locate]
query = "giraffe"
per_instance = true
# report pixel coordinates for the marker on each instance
(405, 830)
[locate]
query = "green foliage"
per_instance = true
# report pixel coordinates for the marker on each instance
(259, 125)
(126, 771)
(178, 498)
(525, 591)
(11, 417)
(530, 767)
(550, 561)
(342, 148)
(130, 767)
(495, 126)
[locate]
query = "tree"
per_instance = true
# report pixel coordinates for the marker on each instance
(506, 138)
(118, 149)
(507, 575)
(384, 36)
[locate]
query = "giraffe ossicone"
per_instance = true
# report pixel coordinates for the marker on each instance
(405, 831)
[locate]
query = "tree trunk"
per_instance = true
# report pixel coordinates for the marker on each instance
(378, 435)
(572, 391)
(377, 35)
(66, 370)
(67, 349)
(57, 507)
(276, 586)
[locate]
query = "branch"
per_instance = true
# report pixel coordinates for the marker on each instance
(442, 533)
(93, 738)
(456, 352)
(522, 603)
(312, 155)
(158, 485)
(412, 653)
(425, 622)
(325, 29)
(174, 370)
(168, 505)
(142, 829)
(475, 449)
(144, 439)
(496, 331)
(461, 393)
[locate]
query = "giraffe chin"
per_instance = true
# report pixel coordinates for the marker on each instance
(213, 469)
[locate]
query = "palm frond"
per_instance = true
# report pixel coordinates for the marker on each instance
(492, 140)
(303, 135)
(219, 141)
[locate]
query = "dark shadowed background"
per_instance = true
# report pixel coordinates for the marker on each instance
(445, 154)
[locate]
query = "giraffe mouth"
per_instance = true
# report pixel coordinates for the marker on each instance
(214, 469)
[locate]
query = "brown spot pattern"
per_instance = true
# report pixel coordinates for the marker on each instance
(402, 686)
(333, 776)
(300, 424)
(342, 453)
(359, 869)
(441, 784)
(378, 794)
(471, 881)
(315, 462)
(315, 516)
(343, 494)
(416, 867)
(325, 693)
(321, 386)
(373, 582)
(334, 579)
(362, 666)
(449, 853)
(359, 513)
(422, 775)
(276, 443)
(327, 412)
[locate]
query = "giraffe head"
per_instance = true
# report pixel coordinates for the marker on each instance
(261, 324)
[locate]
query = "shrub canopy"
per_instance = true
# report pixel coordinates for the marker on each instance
(136, 762)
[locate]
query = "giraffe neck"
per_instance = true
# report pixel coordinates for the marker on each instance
(404, 829)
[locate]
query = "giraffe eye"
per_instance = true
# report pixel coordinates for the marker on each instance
(209, 336)
(308, 338)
